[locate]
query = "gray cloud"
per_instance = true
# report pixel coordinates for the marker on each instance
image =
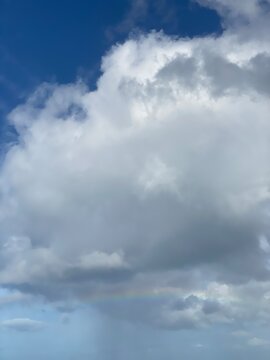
(226, 76)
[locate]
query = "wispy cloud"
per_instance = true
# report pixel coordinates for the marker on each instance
(23, 324)
(139, 11)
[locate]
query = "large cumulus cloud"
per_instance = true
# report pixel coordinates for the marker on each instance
(157, 181)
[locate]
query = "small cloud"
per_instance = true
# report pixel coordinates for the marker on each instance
(240, 333)
(101, 260)
(264, 244)
(257, 342)
(65, 319)
(23, 324)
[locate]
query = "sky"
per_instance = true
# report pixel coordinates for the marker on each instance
(134, 179)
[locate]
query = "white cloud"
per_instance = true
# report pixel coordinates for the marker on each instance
(23, 324)
(249, 8)
(258, 342)
(101, 260)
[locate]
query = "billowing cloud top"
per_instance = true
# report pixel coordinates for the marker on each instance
(155, 183)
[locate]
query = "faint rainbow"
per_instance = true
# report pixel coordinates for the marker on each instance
(147, 294)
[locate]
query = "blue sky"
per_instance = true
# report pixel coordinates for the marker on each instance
(134, 179)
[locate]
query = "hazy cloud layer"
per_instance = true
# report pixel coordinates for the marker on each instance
(157, 183)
